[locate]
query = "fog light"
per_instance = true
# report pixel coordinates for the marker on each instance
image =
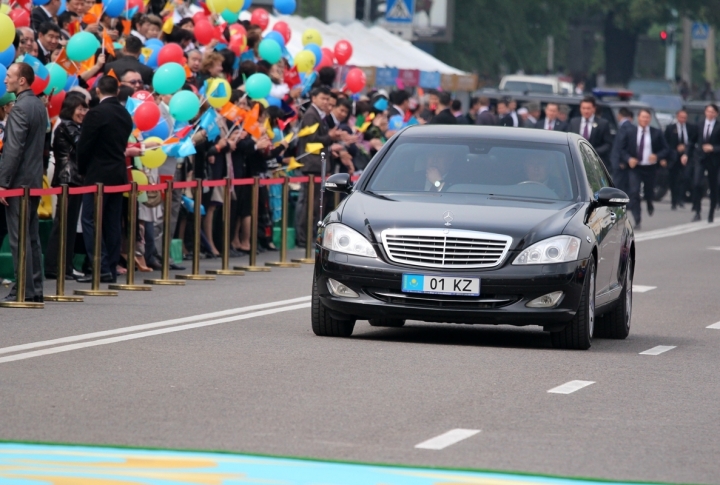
(338, 289)
(546, 301)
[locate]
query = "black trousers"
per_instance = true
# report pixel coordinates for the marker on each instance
(111, 230)
(301, 235)
(33, 251)
(713, 173)
(51, 255)
(676, 174)
(645, 175)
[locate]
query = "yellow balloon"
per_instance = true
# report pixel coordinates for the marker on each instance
(218, 92)
(312, 36)
(7, 32)
(4, 8)
(263, 102)
(154, 157)
(217, 6)
(141, 179)
(235, 5)
(305, 61)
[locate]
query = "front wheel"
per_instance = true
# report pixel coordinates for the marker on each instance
(577, 335)
(325, 325)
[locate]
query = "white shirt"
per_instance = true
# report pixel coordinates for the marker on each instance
(138, 35)
(532, 119)
(550, 124)
(320, 112)
(711, 125)
(514, 117)
(483, 109)
(647, 149)
(682, 133)
(589, 123)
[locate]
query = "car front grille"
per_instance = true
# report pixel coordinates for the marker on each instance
(445, 248)
(442, 301)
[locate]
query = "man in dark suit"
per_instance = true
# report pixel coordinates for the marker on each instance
(399, 103)
(22, 165)
(129, 61)
(102, 149)
(510, 118)
(49, 36)
(44, 13)
(707, 157)
(641, 148)
(551, 121)
(620, 170)
(681, 138)
(595, 129)
(485, 116)
(444, 114)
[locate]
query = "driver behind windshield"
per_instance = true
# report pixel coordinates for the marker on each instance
(539, 171)
(437, 167)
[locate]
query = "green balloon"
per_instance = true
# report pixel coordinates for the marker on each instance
(58, 78)
(82, 46)
(169, 78)
(270, 50)
(258, 86)
(229, 17)
(184, 105)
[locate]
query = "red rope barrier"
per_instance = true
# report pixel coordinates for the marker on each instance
(12, 193)
(243, 181)
(299, 180)
(90, 189)
(42, 192)
(145, 188)
(185, 185)
(214, 183)
(271, 181)
(114, 189)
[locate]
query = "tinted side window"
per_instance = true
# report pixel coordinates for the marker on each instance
(596, 177)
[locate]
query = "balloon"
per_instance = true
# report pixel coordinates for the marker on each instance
(343, 52)
(4, 8)
(139, 178)
(63, 7)
(161, 130)
(276, 36)
(139, 4)
(184, 105)
(146, 116)
(168, 79)
(270, 50)
(284, 30)
(199, 17)
(273, 101)
(395, 122)
(258, 86)
(7, 56)
(40, 2)
(58, 78)
(237, 29)
(204, 32)
(285, 7)
(152, 60)
(20, 17)
(311, 36)
(305, 61)
(82, 46)
(72, 81)
(171, 53)
(263, 102)
(229, 16)
(55, 104)
(39, 85)
(216, 6)
(355, 80)
(153, 157)
(317, 52)
(142, 95)
(237, 44)
(154, 43)
(235, 5)
(3, 74)
(260, 18)
(327, 58)
(218, 92)
(113, 8)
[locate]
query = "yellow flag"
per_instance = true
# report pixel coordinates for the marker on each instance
(147, 52)
(365, 126)
(308, 130)
(268, 128)
(314, 148)
(168, 25)
(294, 164)
(288, 137)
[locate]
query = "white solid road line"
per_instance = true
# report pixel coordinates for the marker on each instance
(132, 336)
(674, 231)
(714, 326)
(643, 289)
(570, 387)
(714, 248)
(660, 349)
(148, 326)
(447, 439)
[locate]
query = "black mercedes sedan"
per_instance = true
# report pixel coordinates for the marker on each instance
(478, 225)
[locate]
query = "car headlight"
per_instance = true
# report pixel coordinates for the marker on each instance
(559, 249)
(339, 237)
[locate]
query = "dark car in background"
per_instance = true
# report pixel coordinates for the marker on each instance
(478, 225)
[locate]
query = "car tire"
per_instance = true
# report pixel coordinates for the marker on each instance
(577, 335)
(615, 324)
(325, 325)
(387, 322)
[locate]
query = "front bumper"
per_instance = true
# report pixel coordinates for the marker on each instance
(504, 292)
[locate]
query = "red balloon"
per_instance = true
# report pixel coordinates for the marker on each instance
(39, 85)
(20, 17)
(327, 59)
(171, 53)
(55, 104)
(146, 116)
(236, 29)
(237, 44)
(284, 30)
(260, 18)
(204, 32)
(143, 95)
(343, 52)
(199, 17)
(355, 80)
(136, 3)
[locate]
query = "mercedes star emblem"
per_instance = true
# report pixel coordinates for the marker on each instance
(448, 216)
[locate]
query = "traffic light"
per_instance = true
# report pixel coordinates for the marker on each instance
(667, 36)
(663, 35)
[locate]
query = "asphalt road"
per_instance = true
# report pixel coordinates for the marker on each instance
(257, 380)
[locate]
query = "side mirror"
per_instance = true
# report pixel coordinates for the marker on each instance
(611, 197)
(339, 182)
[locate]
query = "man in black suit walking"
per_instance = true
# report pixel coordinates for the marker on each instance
(444, 114)
(681, 138)
(620, 170)
(102, 149)
(510, 118)
(594, 129)
(707, 156)
(485, 116)
(641, 148)
(551, 121)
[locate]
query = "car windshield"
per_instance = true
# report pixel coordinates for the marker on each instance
(525, 86)
(491, 167)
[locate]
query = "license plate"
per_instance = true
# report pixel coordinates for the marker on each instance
(440, 285)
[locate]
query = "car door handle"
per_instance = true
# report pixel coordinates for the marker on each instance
(613, 217)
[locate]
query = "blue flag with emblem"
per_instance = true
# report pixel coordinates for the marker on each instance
(208, 122)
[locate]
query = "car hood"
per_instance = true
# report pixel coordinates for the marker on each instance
(526, 221)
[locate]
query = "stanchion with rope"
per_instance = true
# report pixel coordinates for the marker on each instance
(132, 236)
(167, 237)
(252, 267)
(197, 221)
(97, 250)
(22, 257)
(61, 266)
(284, 263)
(225, 270)
(309, 239)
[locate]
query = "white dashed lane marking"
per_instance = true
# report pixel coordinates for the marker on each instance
(660, 349)
(642, 289)
(447, 439)
(570, 387)
(715, 326)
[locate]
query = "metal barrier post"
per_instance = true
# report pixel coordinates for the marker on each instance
(309, 239)
(61, 266)
(132, 236)
(167, 237)
(251, 267)
(22, 258)
(284, 263)
(227, 201)
(97, 250)
(197, 222)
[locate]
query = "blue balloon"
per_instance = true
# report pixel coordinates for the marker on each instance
(285, 7)
(113, 8)
(154, 44)
(3, 74)
(161, 130)
(277, 134)
(315, 49)
(277, 37)
(41, 2)
(7, 56)
(72, 81)
(152, 61)
(246, 5)
(273, 101)
(63, 7)
(395, 122)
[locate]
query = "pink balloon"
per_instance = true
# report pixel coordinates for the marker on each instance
(343, 52)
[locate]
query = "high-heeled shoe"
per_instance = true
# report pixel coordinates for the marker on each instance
(142, 266)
